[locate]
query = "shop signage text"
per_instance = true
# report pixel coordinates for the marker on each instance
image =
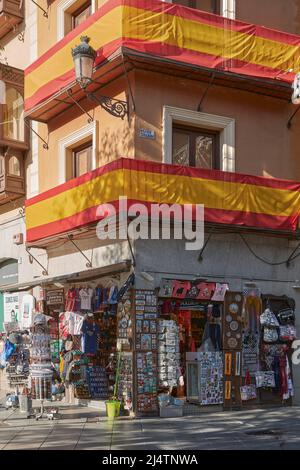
(55, 297)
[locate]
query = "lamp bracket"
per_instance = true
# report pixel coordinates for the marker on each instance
(89, 262)
(128, 84)
(116, 108)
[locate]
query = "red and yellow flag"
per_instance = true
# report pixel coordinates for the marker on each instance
(169, 31)
(228, 198)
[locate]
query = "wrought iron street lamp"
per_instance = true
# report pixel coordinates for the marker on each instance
(84, 58)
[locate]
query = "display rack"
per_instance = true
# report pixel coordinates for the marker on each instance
(40, 368)
(145, 357)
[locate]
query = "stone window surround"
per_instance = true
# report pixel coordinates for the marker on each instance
(70, 141)
(62, 6)
(228, 8)
(225, 125)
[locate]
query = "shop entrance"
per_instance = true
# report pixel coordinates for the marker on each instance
(190, 351)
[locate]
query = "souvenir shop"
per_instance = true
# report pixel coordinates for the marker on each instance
(90, 334)
(183, 345)
(217, 347)
(72, 343)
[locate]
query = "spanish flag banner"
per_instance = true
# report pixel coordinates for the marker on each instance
(172, 32)
(228, 198)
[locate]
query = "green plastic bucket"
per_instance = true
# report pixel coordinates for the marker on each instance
(112, 408)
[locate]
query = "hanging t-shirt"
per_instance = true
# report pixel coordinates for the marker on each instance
(77, 323)
(64, 324)
(27, 308)
(89, 340)
(98, 298)
(86, 298)
(70, 300)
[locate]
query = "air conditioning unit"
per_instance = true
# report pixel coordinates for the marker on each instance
(18, 238)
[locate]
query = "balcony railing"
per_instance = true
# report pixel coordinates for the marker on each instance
(161, 31)
(11, 14)
(228, 198)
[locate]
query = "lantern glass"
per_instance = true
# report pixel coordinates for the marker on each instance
(84, 69)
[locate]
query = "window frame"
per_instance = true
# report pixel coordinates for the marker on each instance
(64, 7)
(76, 151)
(12, 78)
(73, 140)
(193, 131)
(225, 125)
(227, 8)
(11, 186)
(216, 4)
(81, 9)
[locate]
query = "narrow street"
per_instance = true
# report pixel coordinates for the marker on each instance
(81, 428)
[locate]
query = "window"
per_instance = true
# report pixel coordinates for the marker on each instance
(225, 8)
(195, 147)
(82, 159)
(77, 152)
(71, 13)
(14, 167)
(13, 115)
(12, 181)
(80, 15)
(211, 6)
(198, 138)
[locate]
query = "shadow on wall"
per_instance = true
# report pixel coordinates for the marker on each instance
(109, 255)
(112, 145)
(115, 143)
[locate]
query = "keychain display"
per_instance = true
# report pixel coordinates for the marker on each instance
(168, 353)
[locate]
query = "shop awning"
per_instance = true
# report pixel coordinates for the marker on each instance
(229, 198)
(167, 31)
(81, 276)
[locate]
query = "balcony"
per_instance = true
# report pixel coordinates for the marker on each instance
(13, 133)
(11, 14)
(229, 199)
(12, 181)
(152, 33)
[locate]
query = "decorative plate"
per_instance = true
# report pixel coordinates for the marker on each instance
(238, 298)
(234, 326)
(232, 343)
(228, 318)
(228, 334)
(233, 308)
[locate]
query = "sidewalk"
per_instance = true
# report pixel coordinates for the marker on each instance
(81, 428)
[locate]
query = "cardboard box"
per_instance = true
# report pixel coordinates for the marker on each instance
(171, 411)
